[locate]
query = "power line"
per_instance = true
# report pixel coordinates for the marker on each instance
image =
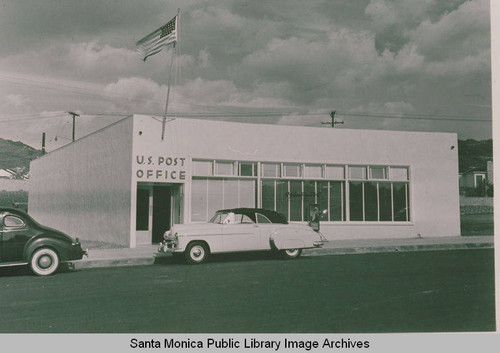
(18, 120)
(418, 116)
(371, 115)
(40, 117)
(74, 115)
(226, 111)
(269, 114)
(74, 89)
(101, 93)
(333, 122)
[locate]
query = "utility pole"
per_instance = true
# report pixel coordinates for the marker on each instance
(43, 143)
(333, 122)
(74, 115)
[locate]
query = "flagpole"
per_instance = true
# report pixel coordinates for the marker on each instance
(168, 93)
(174, 50)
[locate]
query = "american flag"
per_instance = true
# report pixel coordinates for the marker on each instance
(154, 42)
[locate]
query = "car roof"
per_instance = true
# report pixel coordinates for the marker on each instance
(274, 217)
(18, 212)
(13, 210)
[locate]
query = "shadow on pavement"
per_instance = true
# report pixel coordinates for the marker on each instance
(178, 259)
(24, 270)
(15, 271)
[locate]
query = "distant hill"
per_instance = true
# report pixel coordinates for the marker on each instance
(474, 154)
(16, 156)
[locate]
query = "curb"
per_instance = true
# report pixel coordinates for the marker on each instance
(400, 248)
(140, 261)
(150, 260)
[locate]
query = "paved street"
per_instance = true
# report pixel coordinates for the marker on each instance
(388, 292)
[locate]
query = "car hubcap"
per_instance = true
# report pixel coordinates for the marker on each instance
(197, 253)
(45, 261)
(292, 252)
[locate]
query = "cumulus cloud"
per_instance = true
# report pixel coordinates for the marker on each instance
(220, 17)
(91, 61)
(380, 108)
(389, 56)
(16, 101)
(304, 63)
(395, 22)
(387, 13)
(462, 67)
(103, 58)
(204, 58)
(345, 63)
(398, 107)
(383, 13)
(223, 93)
(465, 30)
(135, 94)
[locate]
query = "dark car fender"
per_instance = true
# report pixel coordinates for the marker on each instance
(62, 247)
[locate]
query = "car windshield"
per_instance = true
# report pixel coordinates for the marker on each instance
(230, 218)
(218, 217)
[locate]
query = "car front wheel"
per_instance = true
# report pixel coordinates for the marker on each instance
(44, 262)
(196, 253)
(290, 253)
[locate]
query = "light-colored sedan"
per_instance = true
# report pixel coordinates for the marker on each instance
(240, 229)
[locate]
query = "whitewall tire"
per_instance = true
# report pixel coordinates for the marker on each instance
(44, 262)
(290, 253)
(197, 252)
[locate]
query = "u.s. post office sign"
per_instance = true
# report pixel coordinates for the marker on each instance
(155, 168)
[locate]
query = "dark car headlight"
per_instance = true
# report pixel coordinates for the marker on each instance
(171, 240)
(175, 239)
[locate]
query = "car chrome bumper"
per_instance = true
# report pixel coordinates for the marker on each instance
(318, 244)
(77, 253)
(166, 248)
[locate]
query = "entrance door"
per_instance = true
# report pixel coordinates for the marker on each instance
(144, 218)
(158, 207)
(161, 211)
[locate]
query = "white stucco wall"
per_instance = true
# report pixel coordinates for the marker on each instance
(87, 188)
(432, 158)
(84, 188)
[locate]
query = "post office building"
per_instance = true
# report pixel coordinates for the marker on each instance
(126, 185)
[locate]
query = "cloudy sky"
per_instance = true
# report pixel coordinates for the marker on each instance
(419, 65)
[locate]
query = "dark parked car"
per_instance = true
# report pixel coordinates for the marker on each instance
(25, 241)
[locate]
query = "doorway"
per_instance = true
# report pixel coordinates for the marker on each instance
(161, 212)
(158, 207)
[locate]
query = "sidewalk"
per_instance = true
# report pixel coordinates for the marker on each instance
(145, 254)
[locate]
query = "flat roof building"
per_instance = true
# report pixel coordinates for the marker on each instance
(125, 185)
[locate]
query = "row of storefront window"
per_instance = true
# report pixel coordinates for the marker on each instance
(298, 170)
(369, 193)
